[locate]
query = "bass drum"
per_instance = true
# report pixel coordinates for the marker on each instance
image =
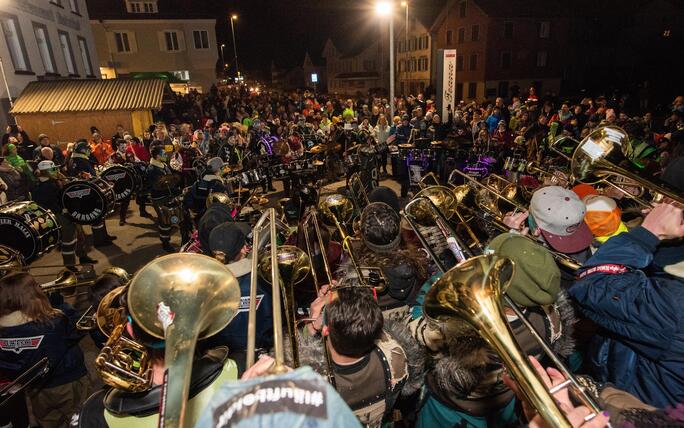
(123, 180)
(87, 201)
(28, 229)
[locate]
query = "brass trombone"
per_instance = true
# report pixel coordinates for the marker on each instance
(336, 210)
(30, 375)
(358, 192)
(430, 179)
(267, 222)
(472, 291)
(434, 206)
(493, 213)
(602, 155)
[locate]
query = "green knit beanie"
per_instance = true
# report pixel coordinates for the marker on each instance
(536, 279)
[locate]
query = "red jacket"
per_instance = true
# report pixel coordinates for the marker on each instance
(139, 151)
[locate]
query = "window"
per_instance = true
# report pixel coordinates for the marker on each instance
(542, 58)
(416, 44)
(15, 43)
(44, 48)
(171, 38)
(475, 35)
(122, 42)
(472, 90)
(414, 65)
(141, 6)
(473, 62)
(505, 60)
(68, 53)
(459, 63)
(85, 56)
(74, 6)
(508, 30)
(402, 65)
(462, 10)
(461, 35)
(459, 91)
(201, 38)
(449, 37)
(543, 29)
(424, 62)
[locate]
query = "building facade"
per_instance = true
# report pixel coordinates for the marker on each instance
(150, 38)
(503, 47)
(43, 40)
(413, 44)
(357, 71)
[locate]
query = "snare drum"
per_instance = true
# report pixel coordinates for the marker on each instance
(279, 172)
(87, 201)
(171, 212)
(123, 180)
(28, 228)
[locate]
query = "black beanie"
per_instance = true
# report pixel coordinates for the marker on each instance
(229, 238)
(214, 215)
(386, 195)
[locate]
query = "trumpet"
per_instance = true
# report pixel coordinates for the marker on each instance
(472, 291)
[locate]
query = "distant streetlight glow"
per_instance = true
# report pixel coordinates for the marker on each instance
(233, 17)
(383, 8)
(404, 4)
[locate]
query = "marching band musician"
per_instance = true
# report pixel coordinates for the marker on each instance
(122, 156)
(118, 408)
(196, 198)
(79, 165)
(47, 195)
(403, 266)
(464, 387)
(373, 360)
(228, 243)
(159, 194)
(32, 328)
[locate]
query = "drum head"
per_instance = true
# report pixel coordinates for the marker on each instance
(122, 179)
(84, 202)
(19, 229)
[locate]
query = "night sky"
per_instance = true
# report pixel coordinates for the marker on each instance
(284, 30)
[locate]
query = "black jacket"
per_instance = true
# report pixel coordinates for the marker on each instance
(23, 345)
(47, 195)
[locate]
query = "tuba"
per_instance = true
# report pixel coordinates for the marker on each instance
(472, 291)
(181, 298)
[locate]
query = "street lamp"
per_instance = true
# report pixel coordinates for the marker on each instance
(232, 30)
(223, 59)
(384, 8)
(406, 51)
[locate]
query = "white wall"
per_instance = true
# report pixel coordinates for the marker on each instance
(55, 18)
(147, 48)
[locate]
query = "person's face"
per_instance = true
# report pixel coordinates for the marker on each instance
(147, 135)
(119, 130)
(565, 108)
(499, 102)
(45, 142)
(648, 117)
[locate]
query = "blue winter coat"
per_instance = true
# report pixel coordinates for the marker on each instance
(640, 309)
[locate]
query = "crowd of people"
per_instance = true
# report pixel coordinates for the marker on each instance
(598, 275)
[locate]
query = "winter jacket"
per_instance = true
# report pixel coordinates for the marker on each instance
(640, 309)
(196, 197)
(23, 343)
(234, 335)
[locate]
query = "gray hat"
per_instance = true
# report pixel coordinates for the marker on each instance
(215, 164)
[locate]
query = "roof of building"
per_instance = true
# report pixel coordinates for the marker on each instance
(167, 9)
(90, 95)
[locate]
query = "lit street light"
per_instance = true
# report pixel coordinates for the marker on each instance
(384, 8)
(232, 30)
(223, 59)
